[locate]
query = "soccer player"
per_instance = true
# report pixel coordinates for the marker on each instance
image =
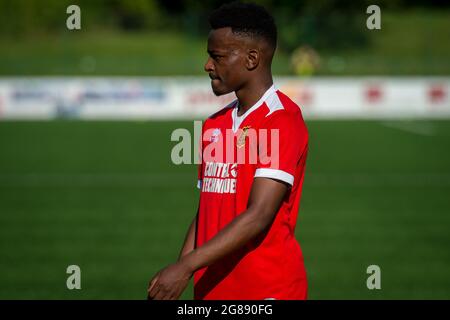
(241, 244)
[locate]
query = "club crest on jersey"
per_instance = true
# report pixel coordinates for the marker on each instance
(241, 139)
(215, 135)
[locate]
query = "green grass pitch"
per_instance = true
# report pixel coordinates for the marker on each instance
(105, 196)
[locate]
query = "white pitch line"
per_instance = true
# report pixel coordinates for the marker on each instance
(416, 127)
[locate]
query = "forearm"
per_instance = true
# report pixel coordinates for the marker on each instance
(189, 241)
(266, 197)
(231, 238)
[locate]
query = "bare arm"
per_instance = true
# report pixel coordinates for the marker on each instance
(189, 240)
(265, 199)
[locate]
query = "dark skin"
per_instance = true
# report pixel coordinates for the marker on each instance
(241, 64)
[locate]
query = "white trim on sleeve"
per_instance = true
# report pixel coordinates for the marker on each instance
(275, 174)
(199, 184)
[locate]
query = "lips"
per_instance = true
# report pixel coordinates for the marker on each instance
(213, 77)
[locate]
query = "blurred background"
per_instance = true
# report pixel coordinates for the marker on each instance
(86, 176)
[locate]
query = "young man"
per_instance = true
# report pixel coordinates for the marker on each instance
(241, 244)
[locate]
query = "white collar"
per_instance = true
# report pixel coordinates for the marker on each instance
(237, 120)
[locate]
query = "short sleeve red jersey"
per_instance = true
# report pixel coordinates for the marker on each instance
(271, 141)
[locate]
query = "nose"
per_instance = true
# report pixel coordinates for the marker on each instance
(209, 66)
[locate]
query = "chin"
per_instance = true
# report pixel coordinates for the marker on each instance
(218, 91)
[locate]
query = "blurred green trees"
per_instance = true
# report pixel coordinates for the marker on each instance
(157, 37)
(318, 23)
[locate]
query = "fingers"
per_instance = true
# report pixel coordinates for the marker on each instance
(153, 289)
(162, 295)
(173, 296)
(166, 285)
(165, 295)
(153, 282)
(158, 292)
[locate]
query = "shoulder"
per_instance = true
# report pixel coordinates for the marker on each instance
(222, 112)
(282, 111)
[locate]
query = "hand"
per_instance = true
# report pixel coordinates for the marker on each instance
(170, 282)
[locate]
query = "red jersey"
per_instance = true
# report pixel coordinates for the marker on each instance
(270, 140)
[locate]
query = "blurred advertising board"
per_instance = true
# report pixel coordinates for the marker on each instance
(191, 97)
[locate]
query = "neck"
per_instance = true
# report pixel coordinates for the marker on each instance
(252, 92)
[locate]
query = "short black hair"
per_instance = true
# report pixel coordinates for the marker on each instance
(245, 18)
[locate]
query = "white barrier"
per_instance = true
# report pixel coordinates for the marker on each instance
(191, 97)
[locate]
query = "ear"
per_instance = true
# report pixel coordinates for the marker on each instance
(253, 57)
